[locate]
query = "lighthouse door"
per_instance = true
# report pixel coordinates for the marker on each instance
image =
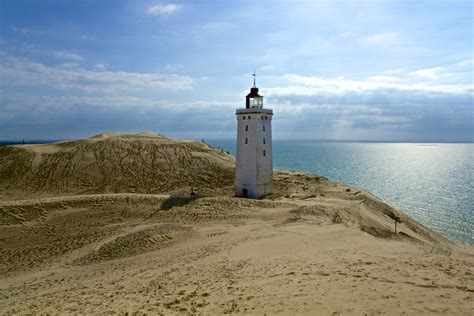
(244, 193)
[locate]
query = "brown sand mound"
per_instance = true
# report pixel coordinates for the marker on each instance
(112, 162)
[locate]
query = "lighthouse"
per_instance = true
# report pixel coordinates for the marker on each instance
(254, 166)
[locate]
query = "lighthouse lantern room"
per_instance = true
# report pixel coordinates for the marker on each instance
(254, 166)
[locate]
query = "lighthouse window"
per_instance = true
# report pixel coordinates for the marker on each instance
(262, 117)
(248, 117)
(244, 117)
(264, 128)
(246, 140)
(264, 153)
(264, 140)
(246, 128)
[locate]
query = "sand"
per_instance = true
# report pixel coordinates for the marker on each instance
(313, 247)
(111, 163)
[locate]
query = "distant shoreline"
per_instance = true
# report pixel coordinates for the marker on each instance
(20, 142)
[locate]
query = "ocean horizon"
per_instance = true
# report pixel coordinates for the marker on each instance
(431, 182)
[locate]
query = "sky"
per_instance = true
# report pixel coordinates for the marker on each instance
(337, 70)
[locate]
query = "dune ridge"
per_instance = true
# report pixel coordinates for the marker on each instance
(119, 234)
(111, 163)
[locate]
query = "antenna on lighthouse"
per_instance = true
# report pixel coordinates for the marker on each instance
(254, 75)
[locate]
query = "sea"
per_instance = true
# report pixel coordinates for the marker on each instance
(431, 182)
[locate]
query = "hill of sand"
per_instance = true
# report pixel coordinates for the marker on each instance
(135, 242)
(111, 163)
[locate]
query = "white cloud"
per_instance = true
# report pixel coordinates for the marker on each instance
(385, 38)
(468, 63)
(78, 116)
(268, 67)
(173, 67)
(87, 37)
(50, 102)
(344, 35)
(456, 72)
(24, 72)
(69, 65)
(20, 29)
(379, 104)
(163, 9)
(427, 73)
(308, 85)
(383, 78)
(100, 67)
(125, 102)
(395, 71)
(67, 56)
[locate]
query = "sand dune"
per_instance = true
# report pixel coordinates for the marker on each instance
(312, 247)
(111, 163)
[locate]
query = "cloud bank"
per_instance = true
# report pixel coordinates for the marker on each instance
(24, 72)
(415, 105)
(378, 108)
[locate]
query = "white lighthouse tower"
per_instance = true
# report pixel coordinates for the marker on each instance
(254, 167)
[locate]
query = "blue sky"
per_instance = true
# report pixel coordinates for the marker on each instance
(352, 70)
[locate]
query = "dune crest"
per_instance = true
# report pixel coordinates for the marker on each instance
(149, 134)
(105, 135)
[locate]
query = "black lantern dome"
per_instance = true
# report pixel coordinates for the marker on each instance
(253, 100)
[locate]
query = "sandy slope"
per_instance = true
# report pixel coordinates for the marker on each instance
(313, 247)
(110, 163)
